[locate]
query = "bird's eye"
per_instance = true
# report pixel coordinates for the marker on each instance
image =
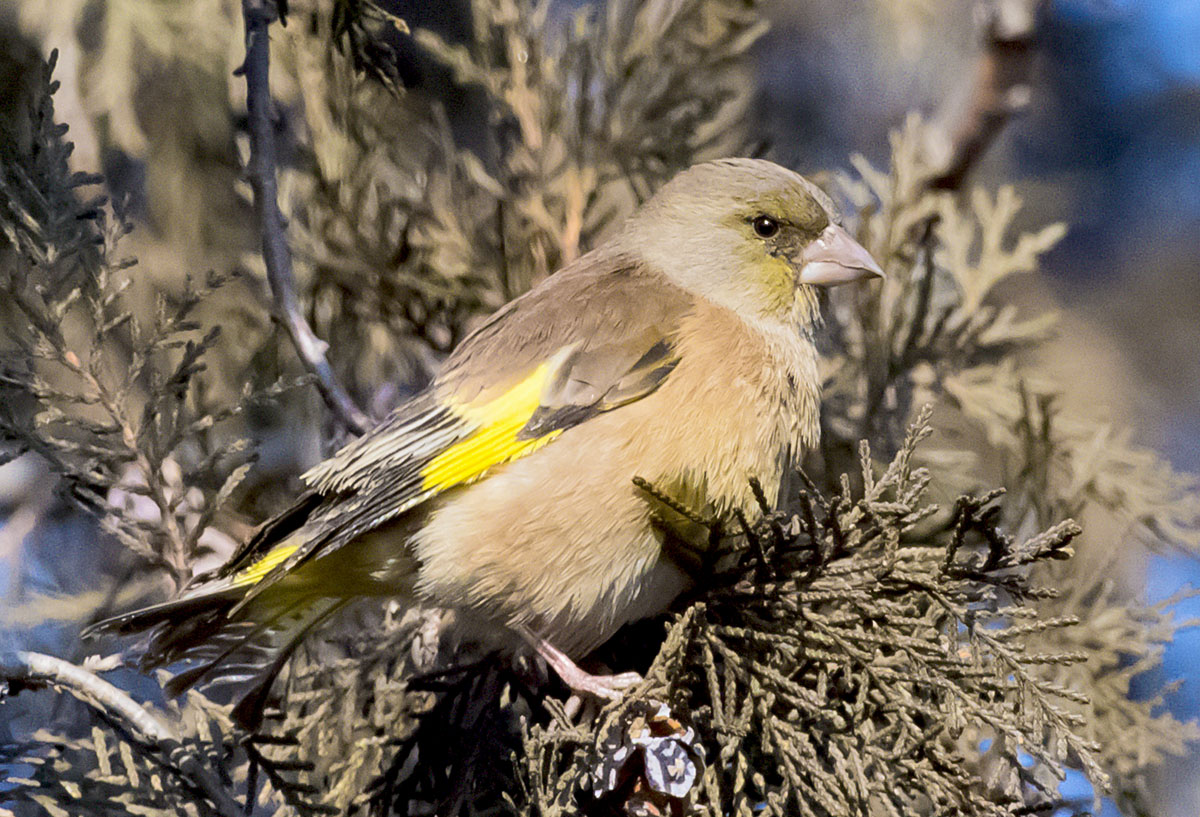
(765, 226)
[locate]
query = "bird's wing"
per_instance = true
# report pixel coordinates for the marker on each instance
(594, 337)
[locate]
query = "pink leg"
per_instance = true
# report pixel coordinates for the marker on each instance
(609, 687)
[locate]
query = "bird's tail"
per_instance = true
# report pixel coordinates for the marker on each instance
(239, 625)
(225, 639)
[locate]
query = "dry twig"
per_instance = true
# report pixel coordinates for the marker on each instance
(258, 16)
(968, 123)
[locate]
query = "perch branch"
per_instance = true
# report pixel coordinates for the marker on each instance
(39, 670)
(258, 16)
(969, 122)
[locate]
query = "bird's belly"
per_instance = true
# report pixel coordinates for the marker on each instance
(553, 541)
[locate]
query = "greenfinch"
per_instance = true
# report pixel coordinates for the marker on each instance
(679, 351)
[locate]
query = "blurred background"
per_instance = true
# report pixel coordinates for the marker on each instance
(1108, 142)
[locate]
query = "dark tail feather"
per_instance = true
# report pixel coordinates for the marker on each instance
(141, 620)
(238, 638)
(246, 648)
(248, 712)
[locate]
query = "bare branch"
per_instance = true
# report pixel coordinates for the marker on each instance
(258, 16)
(36, 669)
(969, 121)
(40, 670)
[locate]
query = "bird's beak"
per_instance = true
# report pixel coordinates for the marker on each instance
(835, 258)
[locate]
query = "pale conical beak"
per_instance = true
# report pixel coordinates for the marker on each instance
(836, 258)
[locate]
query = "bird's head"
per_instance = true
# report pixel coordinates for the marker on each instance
(749, 235)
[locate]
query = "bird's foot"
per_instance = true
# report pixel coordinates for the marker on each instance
(579, 681)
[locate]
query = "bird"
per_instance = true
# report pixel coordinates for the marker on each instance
(679, 352)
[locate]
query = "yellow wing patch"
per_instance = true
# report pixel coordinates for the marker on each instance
(254, 573)
(500, 419)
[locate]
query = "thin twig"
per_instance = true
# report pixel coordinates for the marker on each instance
(258, 16)
(37, 669)
(962, 131)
